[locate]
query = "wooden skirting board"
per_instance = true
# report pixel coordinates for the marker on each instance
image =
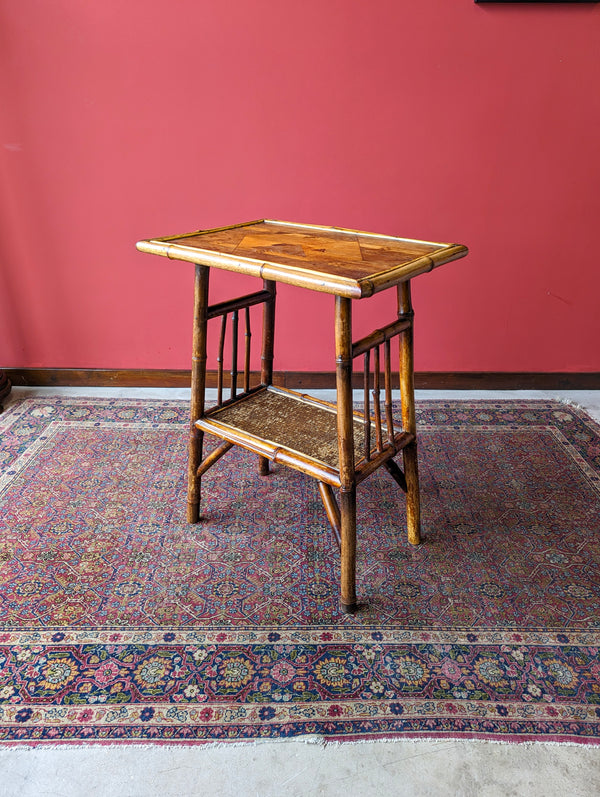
(301, 380)
(4, 387)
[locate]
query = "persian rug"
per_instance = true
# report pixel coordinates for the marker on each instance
(119, 622)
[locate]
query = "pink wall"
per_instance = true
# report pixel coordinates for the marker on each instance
(438, 119)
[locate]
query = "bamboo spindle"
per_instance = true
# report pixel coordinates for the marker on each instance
(407, 392)
(376, 400)
(234, 353)
(247, 338)
(388, 392)
(196, 438)
(367, 407)
(345, 428)
(220, 359)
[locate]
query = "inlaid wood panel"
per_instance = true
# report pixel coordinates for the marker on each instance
(343, 262)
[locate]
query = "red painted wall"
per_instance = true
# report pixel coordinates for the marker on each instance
(436, 119)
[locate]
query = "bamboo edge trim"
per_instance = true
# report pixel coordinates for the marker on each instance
(276, 272)
(310, 279)
(300, 225)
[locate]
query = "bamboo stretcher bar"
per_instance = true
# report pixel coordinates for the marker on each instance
(332, 510)
(396, 474)
(307, 465)
(306, 398)
(238, 397)
(366, 468)
(238, 304)
(379, 336)
(258, 389)
(213, 457)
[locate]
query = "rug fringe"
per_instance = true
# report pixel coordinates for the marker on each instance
(314, 740)
(569, 402)
(452, 740)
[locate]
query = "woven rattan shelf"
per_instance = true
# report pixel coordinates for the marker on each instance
(297, 430)
(330, 442)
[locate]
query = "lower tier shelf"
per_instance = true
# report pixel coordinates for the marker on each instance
(297, 430)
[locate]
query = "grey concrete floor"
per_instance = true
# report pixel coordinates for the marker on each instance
(270, 769)
(465, 769)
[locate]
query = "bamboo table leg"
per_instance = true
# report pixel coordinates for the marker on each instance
(407, 392)
(268, 338)
(345, 430)
(198, 385)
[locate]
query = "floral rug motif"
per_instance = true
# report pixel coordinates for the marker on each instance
(121, 622)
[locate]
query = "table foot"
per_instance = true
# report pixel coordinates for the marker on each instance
(348, 608)
(193, 513)
(263, 466)
(413, 509)
(348, 550)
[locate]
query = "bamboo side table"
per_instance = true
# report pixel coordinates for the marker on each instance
(328, 441)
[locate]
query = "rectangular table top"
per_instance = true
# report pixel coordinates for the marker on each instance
(329, 259)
